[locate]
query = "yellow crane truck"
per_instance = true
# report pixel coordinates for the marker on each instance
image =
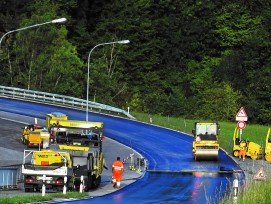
(253, 150)
(205, 144)
(85, 147)
(46, 167)
(58, 119)
(268, 146)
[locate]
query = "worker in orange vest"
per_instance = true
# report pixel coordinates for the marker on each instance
(117, 171)
(242, 152)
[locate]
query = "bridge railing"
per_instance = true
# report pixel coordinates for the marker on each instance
(61, 100)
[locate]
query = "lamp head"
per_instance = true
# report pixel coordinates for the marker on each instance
(123, 42)
(60, 20)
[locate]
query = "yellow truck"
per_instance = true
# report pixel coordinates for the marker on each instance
(268, 146)
(48, 167)
(85, 147)
(58, 120)
(253, 150)
(205, 144)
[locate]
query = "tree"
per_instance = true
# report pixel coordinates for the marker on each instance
(47, 62)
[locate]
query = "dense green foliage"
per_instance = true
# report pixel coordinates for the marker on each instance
(193, 58)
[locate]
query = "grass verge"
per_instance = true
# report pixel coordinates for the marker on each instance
(20, 199)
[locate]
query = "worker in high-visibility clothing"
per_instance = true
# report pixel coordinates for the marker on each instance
(242, 152)
(117, 171)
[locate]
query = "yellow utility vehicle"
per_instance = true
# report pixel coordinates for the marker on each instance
(268, 146)
(205, 144)
(26, 133)
(35, 136)
(83, 141)
(85, 147)
(253, 150)
(54, 165)
(57, 120)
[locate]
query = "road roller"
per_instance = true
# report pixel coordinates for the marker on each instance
(205, 144)
(253, 150)
(268, 146)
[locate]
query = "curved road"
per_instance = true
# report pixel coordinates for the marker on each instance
(173, 176)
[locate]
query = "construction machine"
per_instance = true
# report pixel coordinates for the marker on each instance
(52, 168)
(253, 150)
(84, 144)
(58, 120)
(205, 144)
(35, 136)
(268, 146)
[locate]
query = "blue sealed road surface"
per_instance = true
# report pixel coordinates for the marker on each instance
(172, 174)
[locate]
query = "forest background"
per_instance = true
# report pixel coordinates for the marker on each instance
(199, 59)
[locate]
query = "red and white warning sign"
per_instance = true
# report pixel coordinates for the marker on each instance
(241, 125)
(260, 175)
(241, 115)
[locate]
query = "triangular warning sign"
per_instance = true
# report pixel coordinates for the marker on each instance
(260, 175)
(241, 115)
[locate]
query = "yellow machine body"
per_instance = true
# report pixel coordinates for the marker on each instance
(34, 138)
(51, 158)
(205, 144)
(75, 124)
(38, 136)
(253, 150)
(29, 129)
(61, 120)
(268, 146)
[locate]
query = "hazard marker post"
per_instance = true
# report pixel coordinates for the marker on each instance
(81, 188)
(43, 188)
(259, 175)
(235, 189)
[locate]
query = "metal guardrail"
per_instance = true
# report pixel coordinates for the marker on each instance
(61, 100)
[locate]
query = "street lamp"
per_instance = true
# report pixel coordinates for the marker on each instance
(108, 43)
(60, 20)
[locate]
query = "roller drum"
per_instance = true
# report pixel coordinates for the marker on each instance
(211, 155)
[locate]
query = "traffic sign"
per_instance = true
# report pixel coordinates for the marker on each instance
(241, 125)
(241, 115)
(260, 175)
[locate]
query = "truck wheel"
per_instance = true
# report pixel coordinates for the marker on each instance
(236, 153)
(96, 181)
(254, 156)
(29, 189)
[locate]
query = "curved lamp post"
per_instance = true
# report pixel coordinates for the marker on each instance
(108, 43)
(60, 20)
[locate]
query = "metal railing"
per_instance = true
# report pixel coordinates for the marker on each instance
(60, 100)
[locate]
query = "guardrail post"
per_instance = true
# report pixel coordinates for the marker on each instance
(81, 184)
(65, 185)
(235, 190)
(43, 185)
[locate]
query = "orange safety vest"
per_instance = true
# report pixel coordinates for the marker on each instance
(117, 170)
